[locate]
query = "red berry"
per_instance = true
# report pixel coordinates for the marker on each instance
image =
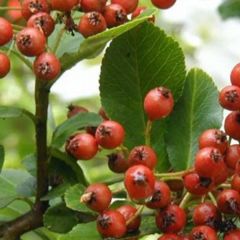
(63, 5)
(5, 65)
(117, 162)
(111, 224)
(43, 22)
(161, 197)
(206, 214)
(232, 156)
(47, 66)
(229, 98)
(232, 235)
(158, 103)
(138, 11)
(170, 236)
(228, 201)
(203, 233)
(208, 161)
(93, 5)
(232, 125)
(163, 4)
(97, 197)
(235, 183)
(222, 175)
(31, 7)
(213, 138)
(110, 134)
(129, 212)
(30, 42)
(196, 184)
(92, 23)
(74, 110)
(143, 155)
(115, 15)
(14, 15)
(139, 182)
(82, 146)
(235, 75)
(128, 5)
(171, 220)
(237, 169)
(6, 31)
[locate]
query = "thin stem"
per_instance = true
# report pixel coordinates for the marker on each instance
(148, 133)
(185, 200)
(139, 211)
(172, 174)
(113, 181)
(17, 27)
(58, 40)
(171, 178)
(10, 8)
(11, 48)
(212, 198)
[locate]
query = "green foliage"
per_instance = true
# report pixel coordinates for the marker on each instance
(2, 153)
(196, 111)
(29, 162)
(230, 8)
(134, 63)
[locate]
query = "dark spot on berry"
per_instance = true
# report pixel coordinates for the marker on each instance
(104, 221)
(220, 136)
(205, 182)
(216, 156)
(120, 16)
(168, 219)
(199, 236)
(231, 96)
(25, 40)
(94, 19)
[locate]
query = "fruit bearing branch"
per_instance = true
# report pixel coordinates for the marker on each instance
(33, 219)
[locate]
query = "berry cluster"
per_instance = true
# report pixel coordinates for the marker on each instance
(31, 41)
(213, 182)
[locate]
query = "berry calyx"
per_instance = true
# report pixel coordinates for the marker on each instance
(143, 155)
(93, 5)
(47, 66)
(117, 163)
(92, 23)
(228, 201)
(235, 75)
(31, 7)
(229, 98)
(115, 15)
(171, 220)
(206, 214)
(196, 184)
(31, 42)
(213, 138)
(110, 134)
(43, 22)
(74, 110)
(6, 31)
(161, 197)
(158, 103)
(97, 197)
(203, 233)
(128, 5)
(139, 181)
(63, 5)
(5, 65)
(232, 125)
(111, 224)
(82, 146)
(129, 213)
(163, 4)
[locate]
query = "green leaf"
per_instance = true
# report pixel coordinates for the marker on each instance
(56, 192)
(29, 162)
(136, 62)
(59, 219)
(197, 110)
(2, 155)
(66, 166)
(27, 188)
(92, 46)
(83, 232)
(81, 120)
(230, 8)
(14, 112)
(72, 199)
